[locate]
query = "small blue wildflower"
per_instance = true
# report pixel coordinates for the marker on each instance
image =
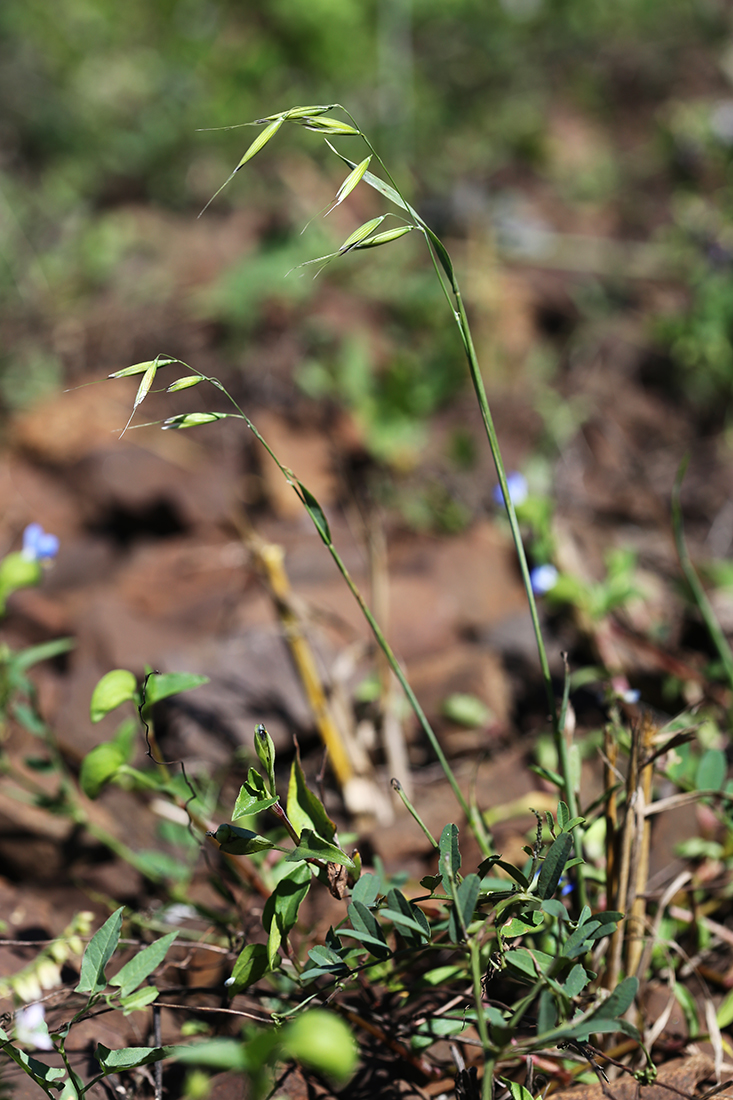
(518, 489)
(543, 579)
(38, 545)
(631, 695)
(566, 887)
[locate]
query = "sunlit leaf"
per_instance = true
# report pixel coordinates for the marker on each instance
(115, 688)
(144, 963)
(98, 953)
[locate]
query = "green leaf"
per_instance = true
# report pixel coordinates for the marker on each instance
(449, 852)
(579, 941)
(223, 1054)
(517, 1091)
(43, 1075)
(689, 1008)
(100, 766)
(117, 687)
(312, 846)
(495, 861)
(305, 809)
(466, 710)
(285, 900)
(461, 917)
(576, 981)
(621, 999)
(98, 953)
(409, 918)
(563, 815)
(265, 749)
(367, 889)
(125, 739)
(546, 1012)
(529, 963)
(522, 925)
(114, 1061)
(251, 965)
(555, 908)
(252, 797)
(369, 931)
(141, 998)
(162, 685)
(315, 512)
(280, 913)
(34, 654)
(553, 865)
(711, 771)
(236, 841)
(144, 963)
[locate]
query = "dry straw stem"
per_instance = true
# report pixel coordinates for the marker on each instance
(629, 862)
(351, 767)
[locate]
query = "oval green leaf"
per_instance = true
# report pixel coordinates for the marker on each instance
(115, 688)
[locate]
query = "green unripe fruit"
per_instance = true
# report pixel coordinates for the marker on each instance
(323, 1042)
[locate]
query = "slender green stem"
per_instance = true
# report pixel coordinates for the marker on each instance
(472, 813)
(487, 1084)
(699, 594)
(397, 786)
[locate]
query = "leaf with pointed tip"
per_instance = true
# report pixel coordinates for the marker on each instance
(251, 965)
(252, 797)
(138, 1000)
(130, 976)
(462, 913)
(162, 685)
(367, 928)
(265, 749)
(449, 852)
(240, 842)
(98, 953)
(315, 512)
(304, 807)
(43, 1075)
(114, 1061)
(312, 846)
(553, 865)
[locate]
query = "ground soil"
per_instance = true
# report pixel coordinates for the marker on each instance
(156, 569)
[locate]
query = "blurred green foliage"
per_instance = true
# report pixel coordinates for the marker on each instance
(101, 104)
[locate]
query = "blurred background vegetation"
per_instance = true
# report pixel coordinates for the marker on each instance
(569, 135)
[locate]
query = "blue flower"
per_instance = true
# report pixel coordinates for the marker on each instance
(518, 490)
(38, 545)
(543, 579)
